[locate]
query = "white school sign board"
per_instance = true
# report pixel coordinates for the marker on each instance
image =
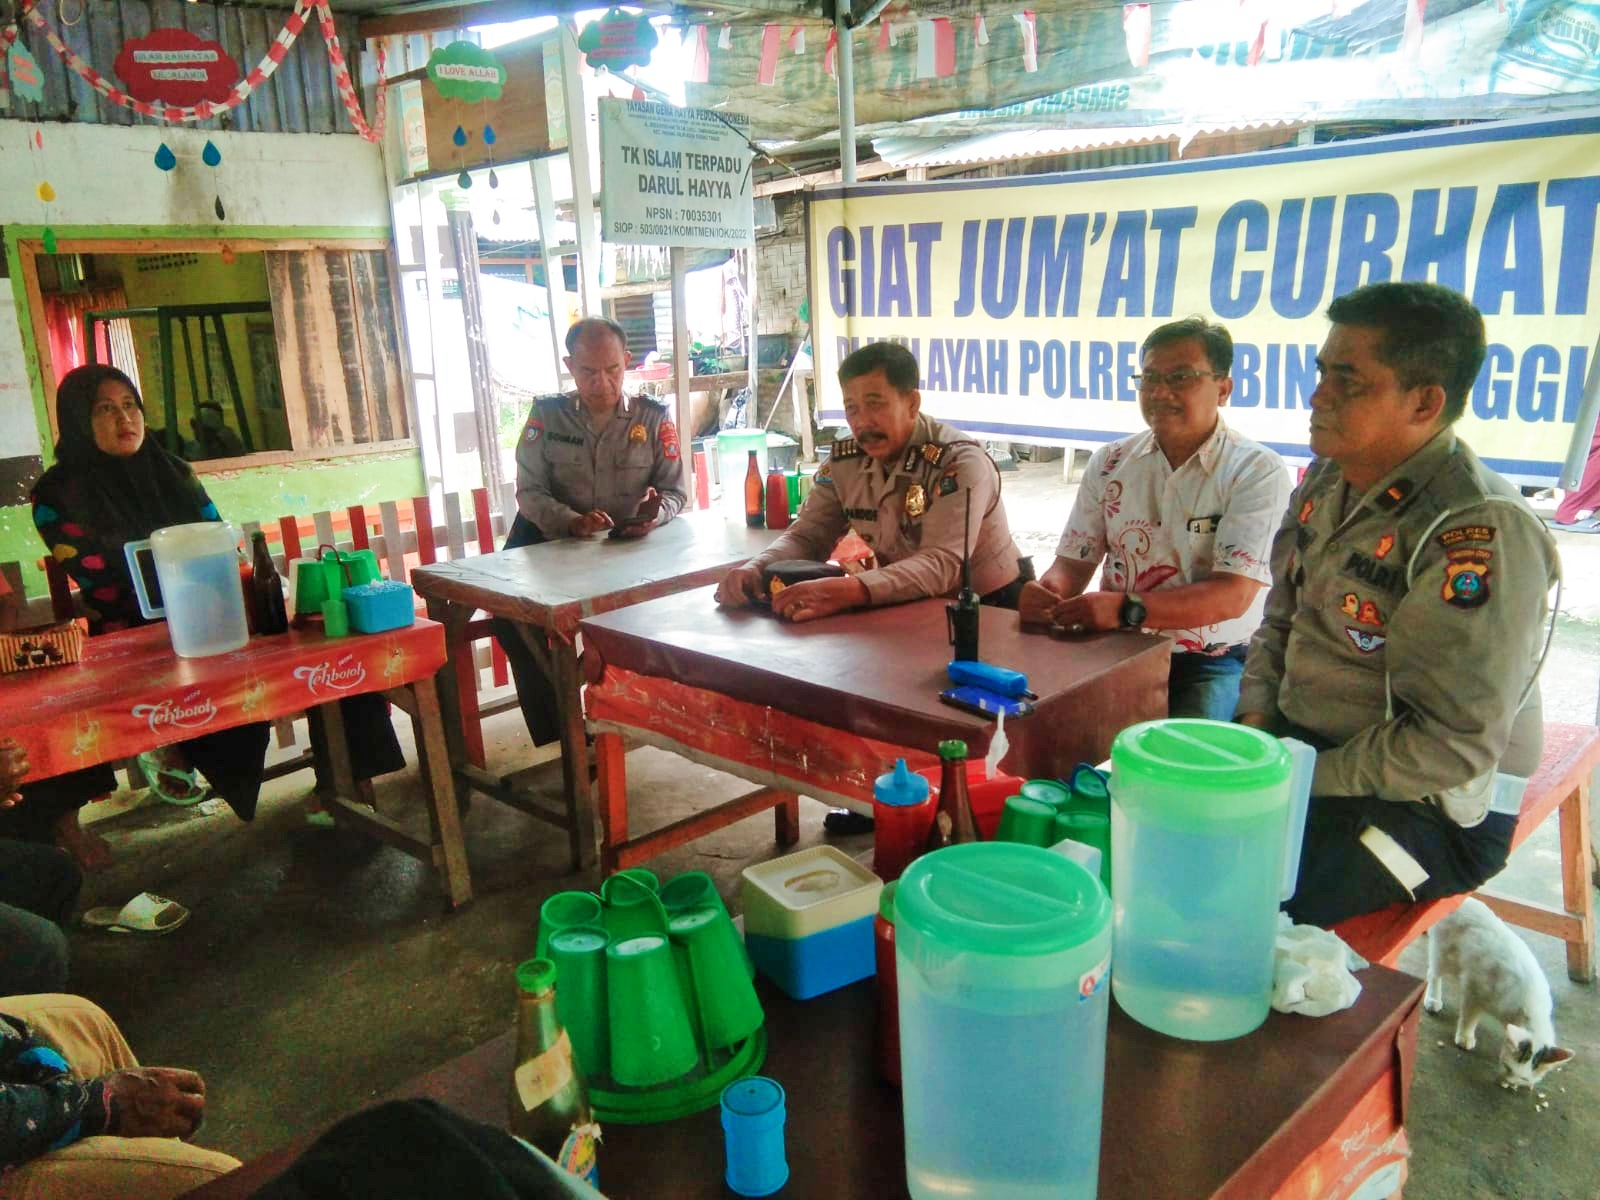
(1025, 299)
(674, 176)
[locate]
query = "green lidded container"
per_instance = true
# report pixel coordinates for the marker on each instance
(1046, 791)
(1199, 830)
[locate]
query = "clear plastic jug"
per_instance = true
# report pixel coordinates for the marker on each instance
(197, 567)
(1200, 823)
(1001, 956)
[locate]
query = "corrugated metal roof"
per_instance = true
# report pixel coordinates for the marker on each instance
(300, 98)
(1038, 143)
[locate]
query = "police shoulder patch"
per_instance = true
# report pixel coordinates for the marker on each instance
(824, 476)
(1451, 538)
(948, 483)
(531, 431)
(1466, 578)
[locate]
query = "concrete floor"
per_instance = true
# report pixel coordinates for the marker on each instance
(318, 970)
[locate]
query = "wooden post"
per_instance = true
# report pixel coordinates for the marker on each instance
(465, 242)
(680, 369)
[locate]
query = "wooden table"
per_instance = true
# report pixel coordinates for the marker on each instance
(1301, 1109)
(823, 708)
(131, 693)
(546, 588)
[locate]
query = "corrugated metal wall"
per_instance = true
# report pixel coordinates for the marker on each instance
(300, 98)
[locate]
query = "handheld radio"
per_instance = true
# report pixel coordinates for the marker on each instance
(963, 614)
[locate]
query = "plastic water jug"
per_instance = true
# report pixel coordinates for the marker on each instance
(197, 567)
(1001, 957)
(1200, 824)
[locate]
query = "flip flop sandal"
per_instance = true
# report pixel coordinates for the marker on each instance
(146, 913)
(160, 779)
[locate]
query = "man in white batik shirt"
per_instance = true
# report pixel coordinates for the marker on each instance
(1182, 517)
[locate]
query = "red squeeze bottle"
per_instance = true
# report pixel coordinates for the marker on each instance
(777, 500)
(902, 810)
(886, 1043)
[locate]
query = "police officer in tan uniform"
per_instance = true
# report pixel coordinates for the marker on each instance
(901, 482)
(1407, 616)
(591, 460)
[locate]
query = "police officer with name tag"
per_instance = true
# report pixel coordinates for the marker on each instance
(1407, 618)
(590, 460)
(901, 482)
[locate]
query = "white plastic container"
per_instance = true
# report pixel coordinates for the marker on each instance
(805, 893)
(197, 567)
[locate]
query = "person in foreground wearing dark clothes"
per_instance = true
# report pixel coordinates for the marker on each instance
(590, 460)
(111, 485)
(1406, 619)
(421, 1150)
(80, 1118)
(38, 891)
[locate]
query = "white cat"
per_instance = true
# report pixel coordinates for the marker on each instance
(1496, 974)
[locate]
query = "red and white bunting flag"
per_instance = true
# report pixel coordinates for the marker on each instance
(1030, 38)
(936, 49)
(700, 71)
(797, 40)
(725, 38)
(894, 35)
(885, 39)
(1411, 41)
(1136, 32)
(832, 48)
(980, 29)
(767, 71)
(1258, 45)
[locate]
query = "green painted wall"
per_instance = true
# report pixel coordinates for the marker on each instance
(257, 494)
(262, 494)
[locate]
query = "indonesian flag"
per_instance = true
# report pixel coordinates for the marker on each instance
(980, 30)
(885, 38)
(725, 38)
(1030, 39)
(797, 40)
(936, 49)
(767, 71)
(827, 54)
(700, 71)
(1136, 32)
(1258, 46)
(1411, 42)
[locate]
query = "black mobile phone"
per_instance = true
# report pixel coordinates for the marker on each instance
(628, 526)
(984, 703)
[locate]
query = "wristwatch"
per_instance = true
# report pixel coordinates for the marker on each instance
(1132, 613)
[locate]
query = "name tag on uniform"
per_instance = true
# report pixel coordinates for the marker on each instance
(1205, 524)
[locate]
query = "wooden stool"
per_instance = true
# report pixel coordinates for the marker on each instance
(1571, 754)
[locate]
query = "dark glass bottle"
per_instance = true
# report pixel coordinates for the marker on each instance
(755, 494)
(952, 822)
(549, 1107)
(266, 589)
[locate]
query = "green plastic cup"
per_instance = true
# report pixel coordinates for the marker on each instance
(335, 618)
(690, 890)
(1026, 820)
(579, 954)
(723, 994)
(1090, 790)
(566, 910)
(310, 587)
(1047, 791)
(631, 905)
(652, 1041)
(1090, 828)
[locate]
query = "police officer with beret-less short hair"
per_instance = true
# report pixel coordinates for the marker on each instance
(590, 460)
(901, 482)
(1407, 616)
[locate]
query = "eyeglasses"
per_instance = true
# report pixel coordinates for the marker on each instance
(1178, 381)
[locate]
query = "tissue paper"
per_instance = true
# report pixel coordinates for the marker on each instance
(1312, 970)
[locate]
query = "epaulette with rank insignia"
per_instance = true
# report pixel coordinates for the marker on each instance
(846, 448)
(1394, 495)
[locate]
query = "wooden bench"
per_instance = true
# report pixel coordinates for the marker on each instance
(1561, 783)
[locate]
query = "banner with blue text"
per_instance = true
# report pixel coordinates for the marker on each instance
(1025, 299)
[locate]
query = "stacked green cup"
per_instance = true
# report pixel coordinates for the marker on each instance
(1026, 820)
(566, 910)
(652, 1041)
(1047, 791)
(690, 890)
(1087, 817)
(579, 954)
(724, 995)
(632, 907)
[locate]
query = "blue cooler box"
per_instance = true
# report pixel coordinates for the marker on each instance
(819, 962)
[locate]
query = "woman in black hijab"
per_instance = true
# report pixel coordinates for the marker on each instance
(111, 485)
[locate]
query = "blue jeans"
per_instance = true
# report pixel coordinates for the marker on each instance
(1202, 685)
